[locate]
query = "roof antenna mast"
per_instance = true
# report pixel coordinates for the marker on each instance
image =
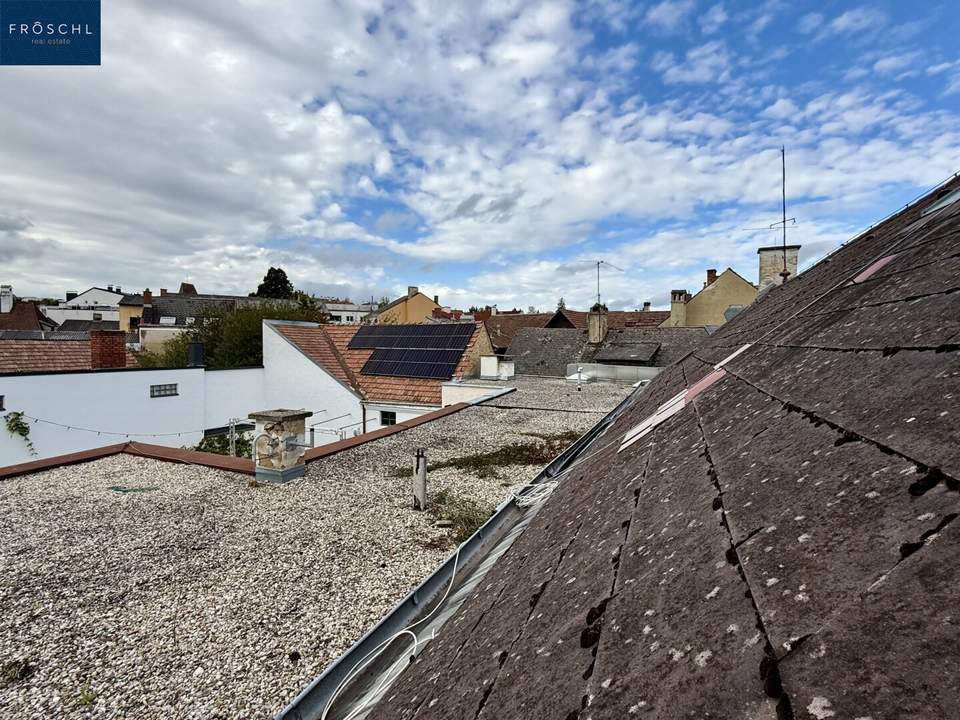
(598, 263)
(783, 187)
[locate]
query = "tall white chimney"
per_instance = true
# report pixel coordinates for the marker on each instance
(772, 264)
(6, 298)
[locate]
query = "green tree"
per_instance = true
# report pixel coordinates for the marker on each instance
(230, 340)
(275, 285)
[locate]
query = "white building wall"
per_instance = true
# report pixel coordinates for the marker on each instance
(233, 394)
(105, 401)
(403, 412)
(95, 297)
(292, 380)
(59, 313)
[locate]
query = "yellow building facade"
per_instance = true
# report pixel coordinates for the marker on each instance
(414, 307)
(727, 291)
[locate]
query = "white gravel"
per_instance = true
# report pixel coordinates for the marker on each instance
(203, 597)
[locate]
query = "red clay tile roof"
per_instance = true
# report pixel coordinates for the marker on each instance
(615, 318)
(21, 356)
(326, 345)
(502, 328)
(25, 316)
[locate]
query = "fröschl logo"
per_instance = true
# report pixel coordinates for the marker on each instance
(49, 32)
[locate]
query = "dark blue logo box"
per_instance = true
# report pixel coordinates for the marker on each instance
(49, 32)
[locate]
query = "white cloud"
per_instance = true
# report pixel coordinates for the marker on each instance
(858, 20)
(669, 14)
(702, 64)
(782, 109)
(713, 19)
(893, 64)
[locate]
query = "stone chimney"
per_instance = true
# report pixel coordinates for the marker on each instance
(771, 264)
(147, 298)
(108, 349)
(163, 292)
(6, 298)
(412, 290)
(711, 277)
(646, 306)
(678, 308)
(597, 324)
(279, 444)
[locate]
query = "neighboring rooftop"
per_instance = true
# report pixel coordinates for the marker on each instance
(17, 314)
(503, 326)
(565, 318)
(767, 531)
(86, 326)
(55, 352)
(548, 351)
(185, 590)
(329, 347)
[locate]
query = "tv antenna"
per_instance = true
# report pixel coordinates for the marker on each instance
(598, 263)
(782, 223)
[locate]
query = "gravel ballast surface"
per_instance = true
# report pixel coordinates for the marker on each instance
(135, 588)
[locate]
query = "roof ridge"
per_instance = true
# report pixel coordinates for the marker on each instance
(354, 381)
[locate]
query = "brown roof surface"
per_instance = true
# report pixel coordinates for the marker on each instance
(20, 356)
(502, 328)
(25, 316)
(615, 318)
(326, 345)
(784, 544)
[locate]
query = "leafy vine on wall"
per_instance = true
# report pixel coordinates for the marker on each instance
(17, 426)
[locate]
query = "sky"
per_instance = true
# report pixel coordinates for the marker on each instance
(488, 153)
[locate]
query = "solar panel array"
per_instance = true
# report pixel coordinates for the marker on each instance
(446, 336)
(417, 351)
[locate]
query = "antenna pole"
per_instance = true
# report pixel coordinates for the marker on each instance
(783, 187)
(598, 281)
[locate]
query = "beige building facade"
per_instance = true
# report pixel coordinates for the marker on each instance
(414, 307)
(722, 294)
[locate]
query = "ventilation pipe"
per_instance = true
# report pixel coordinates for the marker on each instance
(420, 480)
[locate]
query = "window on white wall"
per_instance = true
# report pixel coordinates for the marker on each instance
(388, 417)
(165, 390)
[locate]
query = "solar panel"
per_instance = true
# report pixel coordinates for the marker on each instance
(452, 336)
(414, 363)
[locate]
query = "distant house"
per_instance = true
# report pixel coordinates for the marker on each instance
(564, 318)
(414, 307)
(503, 326)
(96, 304)
(346, 312)
(33, 352)
(169, 314)
(375, 375)
(16, 314)
(720, 299)
(599, 349)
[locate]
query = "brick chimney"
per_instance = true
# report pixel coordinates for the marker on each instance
(597, 324)
(108, 349)
(163, 292)
(412, 290)
(771, 264)
(147, 297)
(6, 298)
(711, 277)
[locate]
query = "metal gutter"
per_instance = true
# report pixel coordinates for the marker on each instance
(311, 702)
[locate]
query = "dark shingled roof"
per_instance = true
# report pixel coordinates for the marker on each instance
(784, 545)
(88, 325)
(548, 351)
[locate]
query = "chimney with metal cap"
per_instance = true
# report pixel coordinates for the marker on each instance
(279, 444)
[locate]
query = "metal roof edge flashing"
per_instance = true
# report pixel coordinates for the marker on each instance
(311, 703)
(499, 392)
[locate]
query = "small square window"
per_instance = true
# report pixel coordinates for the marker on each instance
(167, 390)
(97, 317)
(388, 417)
